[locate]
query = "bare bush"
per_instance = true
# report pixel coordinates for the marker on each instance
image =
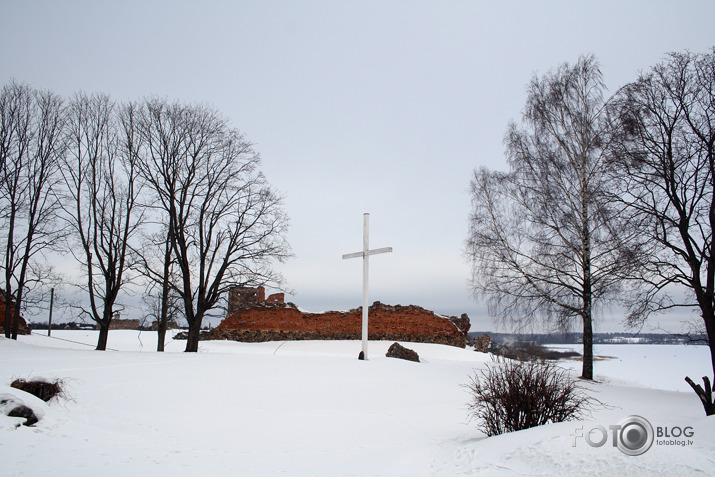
(528, 351)
(513, 395)
(41, 388)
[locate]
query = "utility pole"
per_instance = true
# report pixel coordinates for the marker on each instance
(52, 302)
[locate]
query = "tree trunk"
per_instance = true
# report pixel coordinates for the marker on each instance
(705, 395)
(15, 321)
(16, 314)
(586, 312)
(192, 341)
(8, 313)
(710, 329)
(164, 318)
(587, 370)
(161, 336)
(103, 334)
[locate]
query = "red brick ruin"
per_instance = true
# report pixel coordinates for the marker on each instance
(252, 317)
(23, 328)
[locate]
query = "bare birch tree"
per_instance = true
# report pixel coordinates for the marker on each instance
(227, 225)
(31, 146)
(100, 175)
(666, 163)
(546, 244)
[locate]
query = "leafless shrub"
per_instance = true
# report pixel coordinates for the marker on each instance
(513, 395)
(41, 388)
(526, 351)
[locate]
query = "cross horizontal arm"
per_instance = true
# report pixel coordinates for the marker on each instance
(369, 252)
(379, 250)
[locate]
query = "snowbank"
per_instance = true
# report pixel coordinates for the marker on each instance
(313, 409)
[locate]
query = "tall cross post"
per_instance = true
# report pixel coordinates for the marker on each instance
(365, 254)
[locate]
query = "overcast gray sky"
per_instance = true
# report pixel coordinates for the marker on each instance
(383, 106)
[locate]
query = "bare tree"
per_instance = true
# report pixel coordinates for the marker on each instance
(226, 224)
(545, 242)
(100, 174)
(666, 160)
(31, 146)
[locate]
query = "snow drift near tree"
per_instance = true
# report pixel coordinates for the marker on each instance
(313, 409)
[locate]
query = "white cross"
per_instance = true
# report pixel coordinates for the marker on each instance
(365, 254)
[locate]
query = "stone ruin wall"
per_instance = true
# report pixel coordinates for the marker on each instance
(242, 297)
(254, 318)
(170, 325)
(22, 327)
(124, 324)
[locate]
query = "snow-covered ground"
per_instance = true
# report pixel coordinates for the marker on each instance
(312, 409)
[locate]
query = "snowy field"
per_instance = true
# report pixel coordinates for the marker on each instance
(312, 409)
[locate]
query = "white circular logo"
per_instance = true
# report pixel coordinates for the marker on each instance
(635, 435)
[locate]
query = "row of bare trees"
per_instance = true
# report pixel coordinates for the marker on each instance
(607, 200)
(165, 194)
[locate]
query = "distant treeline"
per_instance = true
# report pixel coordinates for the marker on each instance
(90, 326)
(73, 325)
(598, 338)
(64, 326)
